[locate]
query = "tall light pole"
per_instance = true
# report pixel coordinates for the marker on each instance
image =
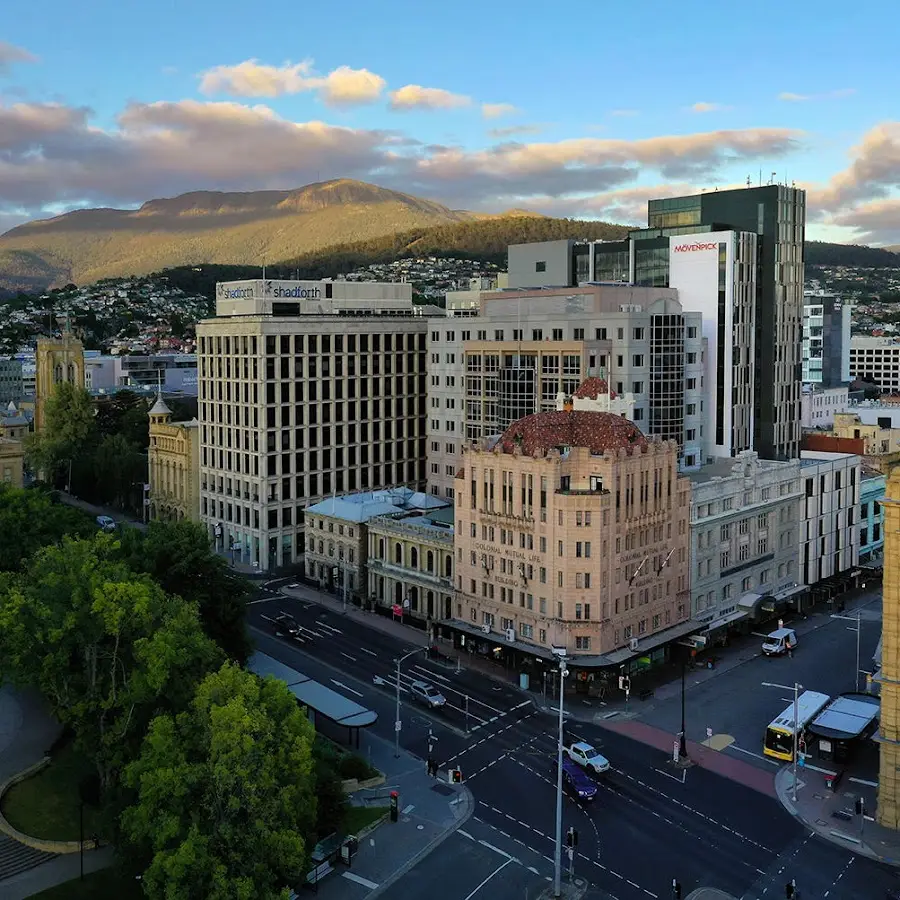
(796, 689)
(857, 619)
(559, 652)
(682, 743)
(397, 716)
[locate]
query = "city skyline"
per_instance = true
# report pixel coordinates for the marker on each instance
(458, 113)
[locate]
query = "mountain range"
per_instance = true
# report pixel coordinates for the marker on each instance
(325, 228)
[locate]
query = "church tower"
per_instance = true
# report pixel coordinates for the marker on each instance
(57, 360)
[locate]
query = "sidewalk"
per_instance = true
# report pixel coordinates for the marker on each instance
(832, 814)
(430, 811)
(116, 514)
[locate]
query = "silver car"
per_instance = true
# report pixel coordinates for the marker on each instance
(428, 694)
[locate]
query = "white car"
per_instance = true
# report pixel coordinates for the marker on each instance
(429, 695)
(585, 755)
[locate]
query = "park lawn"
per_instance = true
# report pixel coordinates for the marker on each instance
(46, 805)
(358, 817)
(105, 884)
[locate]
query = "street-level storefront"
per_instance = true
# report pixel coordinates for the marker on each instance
(594, 675)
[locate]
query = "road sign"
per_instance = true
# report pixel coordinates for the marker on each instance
(709, 733)
(398, 725)
(675, 752)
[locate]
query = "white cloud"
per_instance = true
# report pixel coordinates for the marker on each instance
(877, 222)
(342, 87)
(701, 106)
(10, 54)
(789, 97)
(514, 130)
(495, 110)
(55, 154)
(414, 96)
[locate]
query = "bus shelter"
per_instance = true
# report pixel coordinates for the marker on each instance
(319, 700)
(843, 725)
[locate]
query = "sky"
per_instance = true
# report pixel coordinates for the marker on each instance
(587, 110)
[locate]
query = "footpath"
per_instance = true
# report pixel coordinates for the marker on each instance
(430, 810)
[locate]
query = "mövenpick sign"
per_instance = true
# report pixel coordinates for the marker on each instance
(693, 248)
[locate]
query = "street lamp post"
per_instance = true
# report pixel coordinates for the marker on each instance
(796, 742)
(857, 619)
(397, 716)
(560, 652)
(682, 743)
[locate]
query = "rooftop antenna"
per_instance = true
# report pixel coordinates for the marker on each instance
(748, 181)
(760, 176)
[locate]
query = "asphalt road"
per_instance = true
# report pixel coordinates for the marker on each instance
(645, 827)
(739, 705)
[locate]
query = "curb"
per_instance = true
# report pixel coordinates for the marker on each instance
(58, 847)
(433, 844)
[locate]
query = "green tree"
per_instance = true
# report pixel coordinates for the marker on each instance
(106, 648)
(69, 431)
(117, 466)
(178, 555)
(30, 520)
(226, 800)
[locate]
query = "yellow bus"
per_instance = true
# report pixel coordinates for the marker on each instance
(779, 742)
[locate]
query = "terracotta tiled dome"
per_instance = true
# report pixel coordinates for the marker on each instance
(598, 431)
(592, 388)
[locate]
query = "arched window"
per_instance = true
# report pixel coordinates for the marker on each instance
(430, 561)
(381, 548)
(398, 554)
(57, 373)
(448, 566)
(71, 373)
(413, 558)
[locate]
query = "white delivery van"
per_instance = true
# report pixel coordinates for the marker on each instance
(780, 641)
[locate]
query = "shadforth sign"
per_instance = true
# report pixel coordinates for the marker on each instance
(692, 248)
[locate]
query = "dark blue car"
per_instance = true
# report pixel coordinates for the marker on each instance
(578, 781)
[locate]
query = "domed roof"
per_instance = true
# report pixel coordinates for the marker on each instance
(598, 431)
(592, 388)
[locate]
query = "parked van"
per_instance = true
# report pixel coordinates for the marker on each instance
(780, 641)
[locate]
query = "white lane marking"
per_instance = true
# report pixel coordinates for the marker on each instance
(669, 776)
(465, 834)
(858, 780)
(345, 688)
(431, 674)
(348, 656)
(370, 652)
(533, 870)
(263, 600)
(502, 853)
(523, 703)
(352, 876)
(766, 759)
(408, 809)
(329, 627)
(486, 880)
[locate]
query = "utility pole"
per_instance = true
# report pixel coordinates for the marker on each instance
(397, 724)
(682, 743)
(858, 619)
(559, 652)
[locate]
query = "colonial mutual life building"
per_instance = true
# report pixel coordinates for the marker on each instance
(306, 389)
(572, 530)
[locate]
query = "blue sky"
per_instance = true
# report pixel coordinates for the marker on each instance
(584, 110)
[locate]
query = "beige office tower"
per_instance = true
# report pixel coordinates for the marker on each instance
(889, 732)
(57, 360)
(306, 389)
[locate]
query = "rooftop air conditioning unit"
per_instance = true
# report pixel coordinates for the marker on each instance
(510, 634)
(633, 643)
(486, 629)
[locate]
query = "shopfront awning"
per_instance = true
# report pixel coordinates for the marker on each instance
(750, 603)
(790, 593)
(730, 619)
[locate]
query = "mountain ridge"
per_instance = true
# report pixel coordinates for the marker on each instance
(326, 227)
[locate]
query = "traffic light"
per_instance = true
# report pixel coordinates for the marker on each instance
(571, 838)
(457, 776)
(676, 889)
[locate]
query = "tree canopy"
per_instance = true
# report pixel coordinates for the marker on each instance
(106, 648)
(178, 556)
(225, 793)
(29, 520)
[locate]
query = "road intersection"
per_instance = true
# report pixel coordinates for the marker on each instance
(645, 827)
